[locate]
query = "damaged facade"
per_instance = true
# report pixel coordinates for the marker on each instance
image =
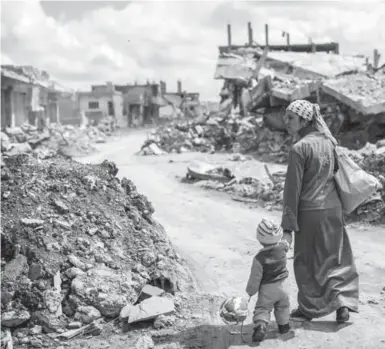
(29, 96)
(141, 103)
(264, 79)
(101, 102)
(181, 102)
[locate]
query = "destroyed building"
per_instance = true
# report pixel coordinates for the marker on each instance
(101, 102)
(266, 78)
(141, 103)
(29, 95)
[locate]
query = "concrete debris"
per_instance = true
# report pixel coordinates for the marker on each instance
(35, 330)
(73, 325)
(93, 276)
(150, 291)
(219, 133)
(144, 342)
(55, 139)
(163, 321)
(76, 262)
(148, 309)
(14, 318)
(269, 194)
(87, 314)
(74, 272)
(15, 268)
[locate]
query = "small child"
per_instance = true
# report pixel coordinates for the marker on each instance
(267, 278)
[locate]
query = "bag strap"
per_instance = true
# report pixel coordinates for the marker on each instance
(336, 164)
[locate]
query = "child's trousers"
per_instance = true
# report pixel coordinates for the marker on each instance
(273, 296)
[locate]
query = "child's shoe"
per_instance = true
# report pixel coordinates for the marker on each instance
(259, 333)
(283, 328)
(342, 315)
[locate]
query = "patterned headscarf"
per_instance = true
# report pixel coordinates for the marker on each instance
(311, 112)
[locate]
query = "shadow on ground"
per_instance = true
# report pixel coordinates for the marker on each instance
(223, 337)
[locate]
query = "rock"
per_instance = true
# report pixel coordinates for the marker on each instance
(148, 258)
(74, 272)
(6, 297)
(35, 271)
(14, 318)
(62, 224)
(106, 289)
(61, 206)
(163, 321)
(49, 322)
(52, 300)
(103, 258)
(87, 314)
(5, 142)
(92, 231)
(144, 342)
(24, 340)
(76, 262)
(36, 343)
(15, 268)
(33, 223)
(18, 148)
(148, 309)
(37, 329)
(73, 325)
(13, 131)
(150, 291)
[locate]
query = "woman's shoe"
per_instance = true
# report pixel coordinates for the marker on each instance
(298, 314)
(259, 333)
(342, 315)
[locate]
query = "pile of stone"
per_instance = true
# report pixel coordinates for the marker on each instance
(78, 246)
(55, 138)
(216, 133)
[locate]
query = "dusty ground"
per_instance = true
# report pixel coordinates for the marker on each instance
(216, 236)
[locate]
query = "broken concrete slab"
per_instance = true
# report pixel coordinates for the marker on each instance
(150, 291)
(147, 310)
(14, 318)
(87, 314)
(76, 262)
(15, 268)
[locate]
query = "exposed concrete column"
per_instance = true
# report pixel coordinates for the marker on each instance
(229, 35)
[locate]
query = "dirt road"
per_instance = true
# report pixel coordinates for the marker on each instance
(217, 237)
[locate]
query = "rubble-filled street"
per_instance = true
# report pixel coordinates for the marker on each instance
(215, 235)
(192, 175)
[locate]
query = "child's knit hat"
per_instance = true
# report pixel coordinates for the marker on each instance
(268, 232)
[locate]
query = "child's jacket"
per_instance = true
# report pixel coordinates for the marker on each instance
(269, 265)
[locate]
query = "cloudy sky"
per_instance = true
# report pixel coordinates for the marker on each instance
(84, 42)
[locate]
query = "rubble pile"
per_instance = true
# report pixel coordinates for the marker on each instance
(68, 140)
(216, 133)
(78, 245)
(268, 193)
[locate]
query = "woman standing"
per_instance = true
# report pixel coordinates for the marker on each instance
(324, 267)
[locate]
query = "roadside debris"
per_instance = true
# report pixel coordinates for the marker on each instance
(55, 276)
(269, 193)
(68, 140)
